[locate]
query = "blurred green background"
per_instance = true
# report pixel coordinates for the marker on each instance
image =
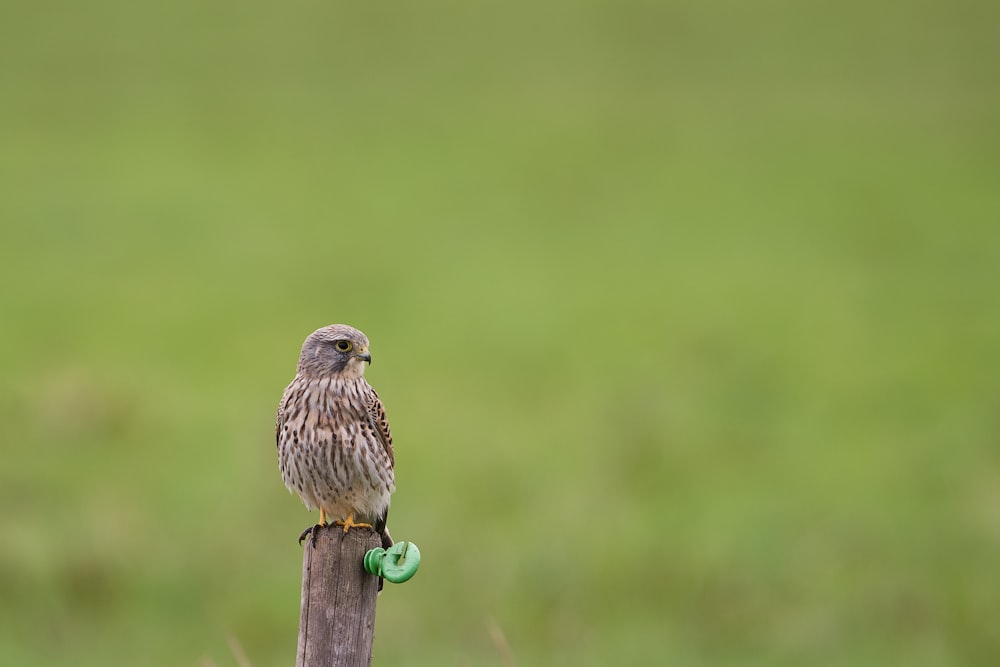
(685, 315)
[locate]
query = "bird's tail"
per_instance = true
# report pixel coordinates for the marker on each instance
(383, 530)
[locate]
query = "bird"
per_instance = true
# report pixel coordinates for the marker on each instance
(334, 443)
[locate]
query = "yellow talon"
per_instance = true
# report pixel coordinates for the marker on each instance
(349, 523)
(322, 517)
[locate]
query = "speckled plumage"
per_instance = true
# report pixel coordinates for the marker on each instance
(334, 444)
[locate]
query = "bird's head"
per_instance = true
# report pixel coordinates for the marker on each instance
(335, 351)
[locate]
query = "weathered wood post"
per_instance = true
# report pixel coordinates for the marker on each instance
(337, 622)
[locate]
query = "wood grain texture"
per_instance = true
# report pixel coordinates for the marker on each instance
(337, 621)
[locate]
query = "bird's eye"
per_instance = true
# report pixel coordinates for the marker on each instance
(343, 345)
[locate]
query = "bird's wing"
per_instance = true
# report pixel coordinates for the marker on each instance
(279, 419)
(376, 414)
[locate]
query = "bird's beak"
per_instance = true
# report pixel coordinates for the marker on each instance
(365, 356)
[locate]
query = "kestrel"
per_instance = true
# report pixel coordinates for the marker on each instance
(334, 444)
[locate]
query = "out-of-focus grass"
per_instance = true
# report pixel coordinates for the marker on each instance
(685, 316)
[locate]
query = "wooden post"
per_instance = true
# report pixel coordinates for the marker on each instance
(337, 622)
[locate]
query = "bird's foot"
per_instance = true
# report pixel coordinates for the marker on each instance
(311, 530)
(349, 523)
(314, 529)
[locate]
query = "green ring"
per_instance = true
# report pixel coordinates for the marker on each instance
(396, 565)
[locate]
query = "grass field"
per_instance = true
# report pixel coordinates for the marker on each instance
(685, 315)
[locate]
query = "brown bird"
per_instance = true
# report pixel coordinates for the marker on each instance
(334, 443)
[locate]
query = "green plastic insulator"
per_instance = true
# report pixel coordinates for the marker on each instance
(373, 561)
(397, 564)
